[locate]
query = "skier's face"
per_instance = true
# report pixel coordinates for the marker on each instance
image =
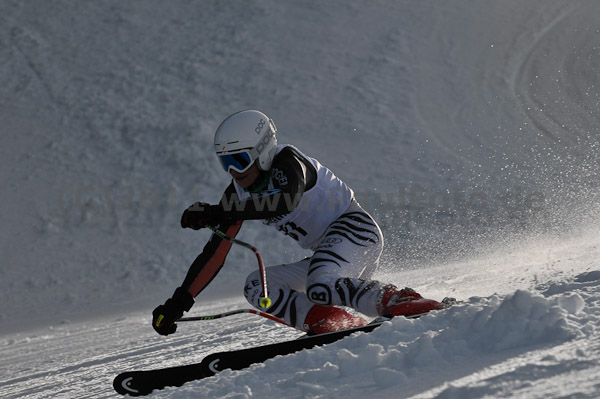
(246, 178)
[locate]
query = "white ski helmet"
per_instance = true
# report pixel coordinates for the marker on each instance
(243, 138)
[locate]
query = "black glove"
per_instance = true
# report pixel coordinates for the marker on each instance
(165, 316)
(200, 215)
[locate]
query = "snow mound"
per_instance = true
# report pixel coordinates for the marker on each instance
(438, 347)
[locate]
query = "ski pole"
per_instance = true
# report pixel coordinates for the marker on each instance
(264, 302)
(234, 312)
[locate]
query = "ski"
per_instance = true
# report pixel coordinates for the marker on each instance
(140, 383)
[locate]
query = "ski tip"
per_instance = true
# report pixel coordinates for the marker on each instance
(123, 385)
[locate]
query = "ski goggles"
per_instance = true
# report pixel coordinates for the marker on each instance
(240, 161)
(243, 159)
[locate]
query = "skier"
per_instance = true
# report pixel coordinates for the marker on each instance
(294, 193)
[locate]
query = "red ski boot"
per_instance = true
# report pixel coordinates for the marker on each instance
(405, 302)
(323, 319)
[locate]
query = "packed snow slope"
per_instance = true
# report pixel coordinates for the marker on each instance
(469, 130)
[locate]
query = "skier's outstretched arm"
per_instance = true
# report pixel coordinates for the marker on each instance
(201, 272)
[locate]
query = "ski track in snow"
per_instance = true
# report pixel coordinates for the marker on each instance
(108, 111)
(80, 360)
(542, 344)
(541, 341)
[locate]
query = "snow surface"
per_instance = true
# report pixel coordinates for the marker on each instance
(469, 129)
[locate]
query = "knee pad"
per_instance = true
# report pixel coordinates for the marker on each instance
(318, 290)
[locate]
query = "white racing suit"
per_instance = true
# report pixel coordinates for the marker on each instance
(306, 201)
(338, 273)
